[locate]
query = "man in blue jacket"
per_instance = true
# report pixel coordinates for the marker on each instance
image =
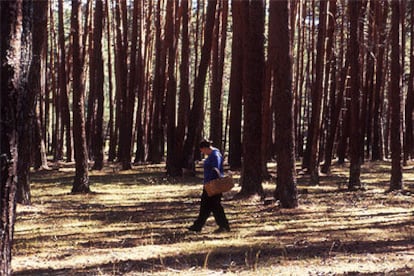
(213, 168)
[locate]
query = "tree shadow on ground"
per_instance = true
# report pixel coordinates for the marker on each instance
(236, 258)
(135, 209)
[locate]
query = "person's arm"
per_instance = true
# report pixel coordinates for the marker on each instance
(217, 164)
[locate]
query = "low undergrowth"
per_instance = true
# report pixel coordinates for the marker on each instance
(134, 223)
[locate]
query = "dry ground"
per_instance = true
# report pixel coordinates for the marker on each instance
(134, 223)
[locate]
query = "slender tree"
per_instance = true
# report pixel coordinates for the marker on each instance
(396, 182)
(157, 129)
(129, 100)
(40, 85)
(300, 76)
(409, 105)
(381, 12)
(184, 97)
(63, 88)
(279, 35)
(355, 135)
(111, 123)
(235, 90)
(315, 123)
(173, 164)
(81, 181)
(335, 102)
(140, 147)
(197, 111)
(217, 68)
(98, 75)
(125, 88)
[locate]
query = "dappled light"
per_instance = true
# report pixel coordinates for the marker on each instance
(135, 222)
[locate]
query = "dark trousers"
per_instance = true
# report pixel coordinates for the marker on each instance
(208, 205)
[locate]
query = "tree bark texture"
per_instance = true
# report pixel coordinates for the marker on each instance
(11, 76)
(81, 181)
(253, 50)
(286, 190)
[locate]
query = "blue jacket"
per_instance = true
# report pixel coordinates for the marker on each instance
(214, 160)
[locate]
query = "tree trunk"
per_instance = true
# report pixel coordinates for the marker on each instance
(64, 100)
(409, 105)
(315, 124)
(336, 107)
(267, 113)
(125, 135)
(251, 174)
(25, 106)
(157, 130)
(355, 132)
(39, 148)
(11, 76)
(111, 127)
(140, 147)
(124, 98)
(369, 77)
(98, 75)
(40, 157)
(377, 148)
(81, 181)
(27, 98)
(217, 64)
(235, 90)
(91, 96)
(300, 76)
(197, 111)
(184, 98)
(173, 164)
(285, 190)
(395, 104)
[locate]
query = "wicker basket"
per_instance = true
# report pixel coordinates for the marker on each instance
(219, 185)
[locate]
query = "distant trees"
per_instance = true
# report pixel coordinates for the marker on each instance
(149, 79)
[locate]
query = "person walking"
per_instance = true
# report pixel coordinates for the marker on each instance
(213, 168)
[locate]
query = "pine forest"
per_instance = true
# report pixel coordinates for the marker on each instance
(308, 104)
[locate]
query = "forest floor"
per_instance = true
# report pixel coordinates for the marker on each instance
(134, 223)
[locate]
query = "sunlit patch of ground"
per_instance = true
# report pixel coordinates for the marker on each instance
(135, 222)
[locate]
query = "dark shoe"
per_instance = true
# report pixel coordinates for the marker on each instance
(194, 228)
(222, 229)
